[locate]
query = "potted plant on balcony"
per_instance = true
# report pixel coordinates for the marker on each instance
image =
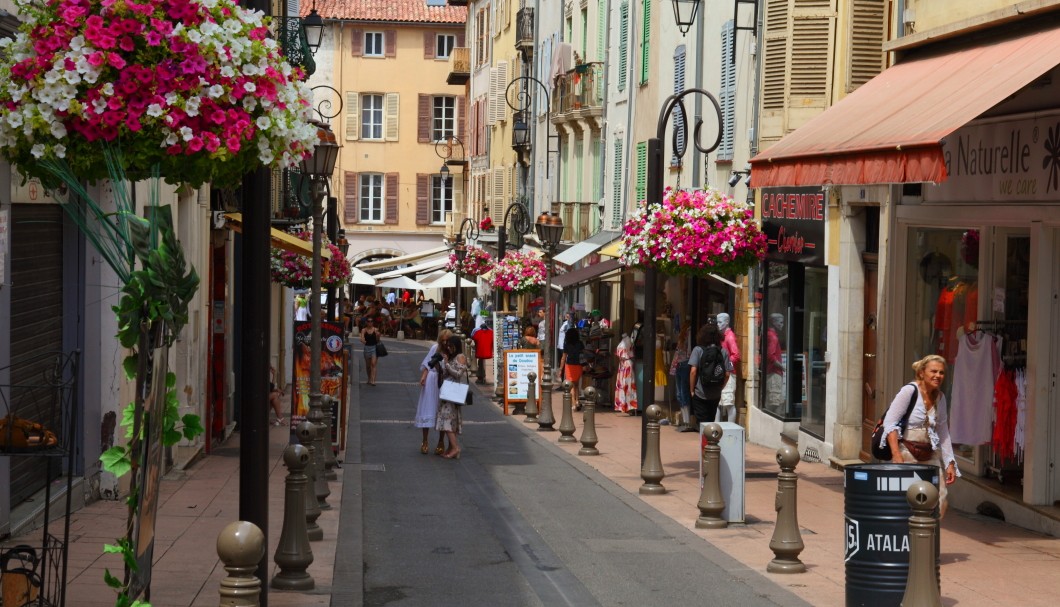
(693, 232)
(295, 271)
(519, 273)
(189, 91)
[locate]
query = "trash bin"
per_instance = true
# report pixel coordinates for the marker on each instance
(877, 531)
(731, 469)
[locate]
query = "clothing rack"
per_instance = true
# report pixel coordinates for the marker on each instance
(1014, 356)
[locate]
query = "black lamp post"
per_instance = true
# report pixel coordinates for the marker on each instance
(549, 228)
(313, 26)
(685, 14)
(467, 232)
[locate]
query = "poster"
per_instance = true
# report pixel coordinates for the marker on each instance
(332, 370)
(3, 242)
(518, 364)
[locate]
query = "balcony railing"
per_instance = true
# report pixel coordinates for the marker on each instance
(580, 90)
(524, 30)
(459, 66)
(580, 220)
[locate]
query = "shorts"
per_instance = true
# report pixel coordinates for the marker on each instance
(573, 373)
(728, 393)
(369, 351)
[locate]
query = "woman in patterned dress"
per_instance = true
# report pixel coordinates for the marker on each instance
(454, 367)
(625, 387)
(427, 407)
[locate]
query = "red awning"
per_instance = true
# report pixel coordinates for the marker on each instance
(890, 129)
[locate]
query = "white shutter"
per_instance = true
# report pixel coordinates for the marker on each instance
(392, 113)
(494, 98)
(353, 119)
(678, 121)
(728, 91)
(502, 88)
(497, 196)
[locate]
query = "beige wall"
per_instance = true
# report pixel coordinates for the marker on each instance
(929, 14)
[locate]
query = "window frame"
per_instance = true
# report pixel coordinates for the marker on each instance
(367, 114)
(440, 187)
(366, 202)
(381, 50)
(446, 42)
(439, 133)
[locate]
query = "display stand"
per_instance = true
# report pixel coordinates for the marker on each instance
(596, 364)
(40, 421)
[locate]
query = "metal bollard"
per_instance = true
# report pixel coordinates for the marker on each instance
(545, 418)
(315, 533)
(787, 541)
(589, 438)
(481, 373)
(566, 422)
(330, 463)
(711, 502)
(529, 408)
(293, 554)
(320, 486)
(240, 546)
(922, 586)
(652, 471)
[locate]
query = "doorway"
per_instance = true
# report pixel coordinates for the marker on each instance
(870, 261)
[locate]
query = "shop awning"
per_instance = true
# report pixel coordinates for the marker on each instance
(397, 261)
(280, 239)
(583, 275)
(421, 268)
(890, 129)
(577, 253)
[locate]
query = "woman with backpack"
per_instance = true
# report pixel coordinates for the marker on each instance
(710, 367)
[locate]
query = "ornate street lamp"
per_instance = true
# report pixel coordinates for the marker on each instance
(313, 26)
(685, 14)
(467, 232)
(549, 228)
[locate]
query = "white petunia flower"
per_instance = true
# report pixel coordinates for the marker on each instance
(154, 110)
(37, 150)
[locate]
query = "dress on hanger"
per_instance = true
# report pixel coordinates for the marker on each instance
(625, 386)
(974, 373)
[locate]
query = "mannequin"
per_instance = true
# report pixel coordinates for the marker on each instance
(727, 406)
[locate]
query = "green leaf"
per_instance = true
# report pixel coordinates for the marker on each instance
(112, 549)
(129, 364)
(171, 437)
(111, 581)
(192, 426)
(171, 379)
(116, 461)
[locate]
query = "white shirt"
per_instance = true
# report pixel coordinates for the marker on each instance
(391, 298)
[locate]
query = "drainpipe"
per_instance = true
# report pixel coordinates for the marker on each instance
(697, 161)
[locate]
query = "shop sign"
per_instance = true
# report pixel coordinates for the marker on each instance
(793, 221)
(32, 190)
(1001, 161)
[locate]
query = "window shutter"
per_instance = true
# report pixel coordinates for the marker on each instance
(391, 198)
(601, 30)
(429, 40)
(642, 172)
(813, 25)
(502, 84)
(617, 187)
(461, 117)
(423, 199)
(392, 108)
(461, 39)
(498, 191)
(357, 42)
(494, 100)
(775, 54)
(391, 42)
(868, 22)
(353, 119)
(679, 85)
(423, 120)
(349, 203)
(623, 44)
(727, 97)
(645, 50)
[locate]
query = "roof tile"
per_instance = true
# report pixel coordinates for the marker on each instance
(411, 11)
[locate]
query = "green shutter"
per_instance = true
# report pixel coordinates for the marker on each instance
(601, 30)
(623, 43)
(645, 38)
(642, 171)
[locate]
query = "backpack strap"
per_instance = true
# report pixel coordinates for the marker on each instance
(912, 403)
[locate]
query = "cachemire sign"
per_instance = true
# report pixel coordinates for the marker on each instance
(793, 222)
(1001, 161)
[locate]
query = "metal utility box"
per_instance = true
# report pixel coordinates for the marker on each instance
(732, 469)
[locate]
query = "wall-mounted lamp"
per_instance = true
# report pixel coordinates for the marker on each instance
(685, 14)
(313, 26)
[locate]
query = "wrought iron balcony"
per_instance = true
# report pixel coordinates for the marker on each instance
(459, 66)
(580, 219)
(524, 32)
(579, 93)
(295, 47)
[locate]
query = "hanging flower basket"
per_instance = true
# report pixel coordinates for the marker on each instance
(296, 271)
(693, 233)
(519, 273)
(197, 88)
(476, 263)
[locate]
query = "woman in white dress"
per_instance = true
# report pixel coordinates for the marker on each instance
(427, 408)
(454, 368)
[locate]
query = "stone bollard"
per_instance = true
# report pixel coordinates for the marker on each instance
(787, 541)
(589, 438)
(566, 422)
(240, 546)
(711, 502)
(293, 554)
(652, 470)
(330, 463)
(545, 418)
(305, 433)
(529, 408)
(922, 586)
(320, 486)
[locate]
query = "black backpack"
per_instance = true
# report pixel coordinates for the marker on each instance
(711, 372)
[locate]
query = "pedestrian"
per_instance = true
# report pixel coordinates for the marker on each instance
(706, 396)
(529, 340)
(427, 407)
(450, 317)
(275, 395)
(483, 338)
(454, 367)
(681, 370)
(571, 362)
(727, 405)
(625, 384)
(926, 437)
(370, 338)
(542, 325)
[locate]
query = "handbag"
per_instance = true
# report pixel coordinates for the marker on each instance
(455, 392)
(380, 350)
(884, 452)
(920, 450)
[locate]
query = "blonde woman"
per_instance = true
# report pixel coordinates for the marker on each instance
(926, 436)
(427, 407)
